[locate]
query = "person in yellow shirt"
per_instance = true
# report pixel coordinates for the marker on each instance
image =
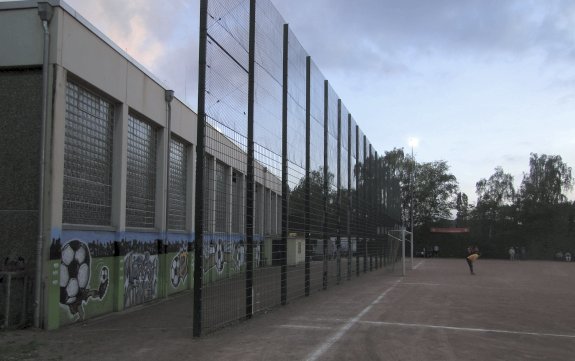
(472, 256)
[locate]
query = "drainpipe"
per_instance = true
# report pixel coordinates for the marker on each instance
(45, 12)
(169, 96)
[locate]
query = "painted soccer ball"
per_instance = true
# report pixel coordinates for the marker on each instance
(220, 257)
(175, 272)
(104, 275)
(74, 271)
(239, 255)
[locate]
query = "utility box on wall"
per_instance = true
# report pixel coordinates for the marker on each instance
(295, 251)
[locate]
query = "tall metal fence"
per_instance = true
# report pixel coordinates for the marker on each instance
(291, 197)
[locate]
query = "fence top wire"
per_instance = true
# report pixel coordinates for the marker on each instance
(228, 29)
(228, 24)
(227, 84)
(317, 90)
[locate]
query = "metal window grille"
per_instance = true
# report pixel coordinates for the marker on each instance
(279, 214)
(267, 211)
(273, 214)
(258, 211)
(221, 197)
(141, 176)
(208, 194)
(237, 204)
(177, 189)
(87, 157)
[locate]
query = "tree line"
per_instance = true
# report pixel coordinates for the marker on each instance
(537, 218)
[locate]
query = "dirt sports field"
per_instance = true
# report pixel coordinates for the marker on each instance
(507, 311)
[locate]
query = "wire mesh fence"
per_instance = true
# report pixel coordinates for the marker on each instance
(292, 198)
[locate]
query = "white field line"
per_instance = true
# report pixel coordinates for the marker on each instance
(419, 264)
(467, 329)
(420, 284)
(343, 330)
(306, 327)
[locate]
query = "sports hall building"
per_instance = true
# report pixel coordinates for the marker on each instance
(98, 176)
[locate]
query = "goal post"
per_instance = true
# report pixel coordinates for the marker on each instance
(401, 236)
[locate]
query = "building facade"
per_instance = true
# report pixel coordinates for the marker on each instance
(98, 175)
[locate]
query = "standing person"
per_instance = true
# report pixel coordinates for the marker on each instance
(472, 256)
(511, 254)
(436, 251)
(523, 253)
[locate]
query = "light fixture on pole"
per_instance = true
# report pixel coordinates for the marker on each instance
(413, 142)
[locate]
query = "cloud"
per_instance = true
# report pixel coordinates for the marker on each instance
(481, 74)
(162, 38)
(372, 33)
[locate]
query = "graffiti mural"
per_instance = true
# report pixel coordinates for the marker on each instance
(214, 256)
(140, 278)
(239, 255)
(75, 271)
(257, 255)
(179, 268)
(219, 256)
(223, 258)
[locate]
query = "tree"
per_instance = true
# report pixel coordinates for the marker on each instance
(544, 211)
(434, 187)
(316, 198)
(496, 191)
(494, 199)
(548, 178)
(393, 186)
(463, 209)
(435, 192)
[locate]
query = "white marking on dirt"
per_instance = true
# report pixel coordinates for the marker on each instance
(307, 327)
(420, 284)
(468, 329)
(343, 330)
(419, 264)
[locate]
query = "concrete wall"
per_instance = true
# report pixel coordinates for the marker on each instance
(19, 155)
(21, 32)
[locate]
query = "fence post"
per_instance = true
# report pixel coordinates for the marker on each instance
(285, 189)
(349, 199)
(376, 203)
(307, 173)
(338, 196)
(200, 152)
(364, 207)
(250, 164)
(357, 205)
(325, 180)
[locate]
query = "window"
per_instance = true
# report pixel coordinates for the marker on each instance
(273, 214)
(279, 214)
(237, 201)
(221, 197)
(208, 193)
(258, 211)
(88, 149)
(141, 176)
(178, 182)
(268, 212)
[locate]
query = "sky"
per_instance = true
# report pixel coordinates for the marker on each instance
(480, 83)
